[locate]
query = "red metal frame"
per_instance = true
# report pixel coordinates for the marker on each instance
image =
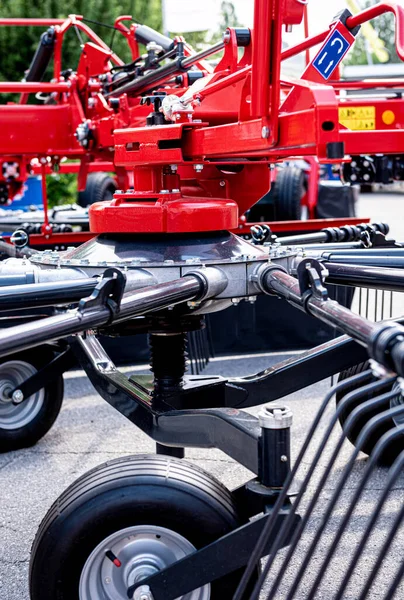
(230, 126)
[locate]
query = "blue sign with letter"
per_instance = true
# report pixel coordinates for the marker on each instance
(331, 54)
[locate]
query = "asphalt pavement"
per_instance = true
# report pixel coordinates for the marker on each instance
(89, 432)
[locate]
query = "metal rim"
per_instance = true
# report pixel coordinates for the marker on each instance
(397, 401)
(140, 551)
(15, 416)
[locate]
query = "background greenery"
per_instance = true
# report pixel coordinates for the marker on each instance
(385, 28)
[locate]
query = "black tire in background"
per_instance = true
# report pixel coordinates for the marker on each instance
(288, 192)
(100, 186)
(394, 449)
(21, 426)
(117, 499)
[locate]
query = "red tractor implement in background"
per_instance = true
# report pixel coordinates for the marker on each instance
(83, 109)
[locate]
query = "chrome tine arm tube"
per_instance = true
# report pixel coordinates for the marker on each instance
(384, 340)
(198, 285)
(284, 285)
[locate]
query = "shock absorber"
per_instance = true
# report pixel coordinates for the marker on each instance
(168, 364)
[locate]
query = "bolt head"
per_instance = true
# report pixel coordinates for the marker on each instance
(265, 132)
(17, 396)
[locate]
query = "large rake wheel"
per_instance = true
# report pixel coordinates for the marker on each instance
(126, 520)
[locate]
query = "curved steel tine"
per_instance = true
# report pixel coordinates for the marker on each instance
(365, 434)
(267, 530)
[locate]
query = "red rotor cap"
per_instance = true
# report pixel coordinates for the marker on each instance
(133, 212)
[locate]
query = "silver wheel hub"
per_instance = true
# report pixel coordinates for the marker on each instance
(16, 415)
(130, 555)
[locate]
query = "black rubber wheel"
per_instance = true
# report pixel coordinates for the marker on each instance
(394, 449)
(288, 192)
(22, 425)
(100, 186)
(130, 493)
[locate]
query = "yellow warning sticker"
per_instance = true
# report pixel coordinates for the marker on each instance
(358, 118)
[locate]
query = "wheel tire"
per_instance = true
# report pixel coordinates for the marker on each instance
(394, 449)
(144, 490)
(288, 192)
(100, 186)
(37, 417)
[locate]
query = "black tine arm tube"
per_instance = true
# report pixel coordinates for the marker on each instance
(36, 295)
(145, 35)
(156, 297)
(346, 233)
(384, 340)
(365, 276)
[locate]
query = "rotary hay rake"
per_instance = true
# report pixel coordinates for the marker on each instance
(157, 527)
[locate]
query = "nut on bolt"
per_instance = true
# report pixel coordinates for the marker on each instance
(143, 593)
(275, 416)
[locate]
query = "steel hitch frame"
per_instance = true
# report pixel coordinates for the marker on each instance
(205, 425)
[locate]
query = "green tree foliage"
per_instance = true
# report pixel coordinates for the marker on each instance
(61, 188)
(385, 28)
(18, 44)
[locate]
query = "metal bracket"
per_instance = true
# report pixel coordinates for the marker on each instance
(56, 367)
(260, 234)
(108, 292)
(310, 274)
(343, 16)
(378, 240)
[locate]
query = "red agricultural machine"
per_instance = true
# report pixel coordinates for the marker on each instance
(81, 110)
(192, 148)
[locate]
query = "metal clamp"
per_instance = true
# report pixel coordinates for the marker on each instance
(310, 273)
(108, 292)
